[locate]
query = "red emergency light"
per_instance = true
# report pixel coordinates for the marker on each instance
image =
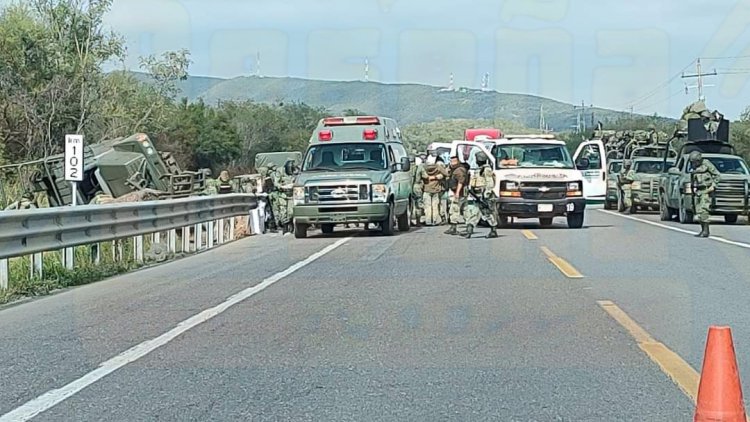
(472, 134)
(351, 120)
(325, 135)
(370, 134)
(368, 120)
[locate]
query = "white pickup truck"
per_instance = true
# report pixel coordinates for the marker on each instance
(535, 177)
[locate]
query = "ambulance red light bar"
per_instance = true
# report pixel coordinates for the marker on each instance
(325, 135)
(351, 120)
(370, 134)
(487, 133)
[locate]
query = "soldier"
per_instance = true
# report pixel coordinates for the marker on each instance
(481, 200)
(224, 183)
(432, 175)
(624, 180)
(26, 202)
(457, 180)
(417, 192)
(704, 178)
(211, 185)
(280, 197)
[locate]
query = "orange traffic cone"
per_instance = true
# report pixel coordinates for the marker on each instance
(720, 392)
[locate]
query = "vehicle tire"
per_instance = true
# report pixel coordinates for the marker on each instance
(665, 213)
(388, 225)
(326, 228)
(730, 218)
(575, 220)
(404, 220)
(545, 221)
(300, 230)
(503, 221)
(685, 216)
(633, 209)
(608, 205)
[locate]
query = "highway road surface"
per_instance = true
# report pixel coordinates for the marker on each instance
(605, 323)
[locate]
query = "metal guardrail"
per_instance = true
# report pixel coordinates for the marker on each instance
(34, 231)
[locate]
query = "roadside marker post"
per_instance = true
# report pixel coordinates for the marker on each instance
(73, 174)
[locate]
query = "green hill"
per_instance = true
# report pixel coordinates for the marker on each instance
(407, 103)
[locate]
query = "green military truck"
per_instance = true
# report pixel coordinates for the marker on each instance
(731, 196)
(645, 187)
(355, 170)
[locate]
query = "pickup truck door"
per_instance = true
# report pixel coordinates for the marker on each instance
(595, 176)
(673, 185)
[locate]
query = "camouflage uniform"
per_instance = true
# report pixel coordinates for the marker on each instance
(433, 176)
(625, 180)
(224, 184)
(482, 185)
(282, 211)
(458, 176)
(704, 179)
(417, 194)
(26, 202)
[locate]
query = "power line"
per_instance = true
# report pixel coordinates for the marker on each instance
(655, 103)
(656, 90)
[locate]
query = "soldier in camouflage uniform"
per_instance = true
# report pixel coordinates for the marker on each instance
(26, 202)
(704, 179)
(417, 192)
(433, 175)
(457, 181)
(280, 197)
(624, 180)
(224, 184)
(211, 186)
(481, 188)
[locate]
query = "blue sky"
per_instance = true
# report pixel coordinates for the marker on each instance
(613, 54)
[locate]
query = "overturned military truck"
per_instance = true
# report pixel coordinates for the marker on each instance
(116, 168)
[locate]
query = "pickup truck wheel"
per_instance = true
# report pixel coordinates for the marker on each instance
(685, 216)
(575, 220)
(545, 221)
(665, 213)
(404, 220)
(300, 230)
(730, 218)
(388, 225)
(326, 228)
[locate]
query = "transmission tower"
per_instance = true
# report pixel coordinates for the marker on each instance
(367, 69)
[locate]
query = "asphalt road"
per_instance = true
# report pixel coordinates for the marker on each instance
(419, 326)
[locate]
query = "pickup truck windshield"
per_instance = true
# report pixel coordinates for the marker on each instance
(615, 167)
(650, 167)
(532, 155)
(726, 165)
(343, 156)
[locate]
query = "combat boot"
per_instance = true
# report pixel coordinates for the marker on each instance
(452, 230)
(469, 231)
(706, 233)
(703, 230)
(493, 233)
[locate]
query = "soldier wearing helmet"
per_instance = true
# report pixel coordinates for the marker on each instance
(432, 176)
(625, 179)
(480, 202)
(703, 179)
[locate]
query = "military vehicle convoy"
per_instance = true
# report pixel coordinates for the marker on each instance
(708, 133)
(115, 167)
(355, 170)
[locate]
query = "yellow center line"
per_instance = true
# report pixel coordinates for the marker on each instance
(561, 264)
(529, 234)
(681, 373)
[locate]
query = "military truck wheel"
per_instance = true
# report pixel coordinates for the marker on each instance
(665, 213)
(404, 220)
(388, 225)
(575, 220)
(685, 216)
(730, 218)
(300, 230)
(633, 209)
(608, 205)
(545, 221)
(326, 228)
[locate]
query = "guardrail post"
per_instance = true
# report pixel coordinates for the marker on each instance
(221, 231)
(3, 274)
(156, 238)
(172, 241)
(185, 239)
(231, 228)
(69, 254)
(96, 253)
(198, 237)
(37, 260)
(138, 248)
(210, 235)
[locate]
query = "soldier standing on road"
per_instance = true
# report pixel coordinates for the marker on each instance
(282, 187)
(433, 174)
(457, 180)
(704, 179)
(625, 180)
(417, 191)
(481, 187)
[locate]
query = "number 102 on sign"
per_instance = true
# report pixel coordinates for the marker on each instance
(74, 158)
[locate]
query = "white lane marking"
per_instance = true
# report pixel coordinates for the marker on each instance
(676, 229)
(54, 397)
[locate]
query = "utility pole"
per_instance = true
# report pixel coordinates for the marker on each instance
(581, 125)
(450, 85)
(367, 69)
(257, 65)
(700, 75)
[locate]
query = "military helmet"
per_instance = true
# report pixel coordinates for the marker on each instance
(481, 157)
(626, 163)
(695, 157)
